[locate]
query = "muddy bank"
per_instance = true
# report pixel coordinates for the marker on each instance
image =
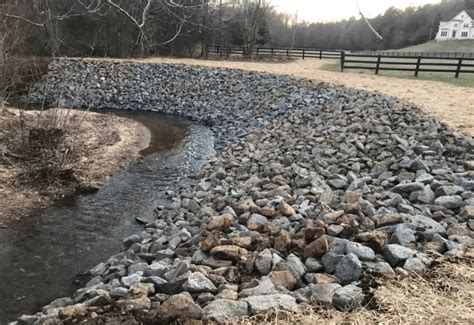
(34, 173)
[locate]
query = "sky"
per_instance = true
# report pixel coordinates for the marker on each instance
(335, 10)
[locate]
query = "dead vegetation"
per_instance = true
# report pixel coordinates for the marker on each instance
(46, 155)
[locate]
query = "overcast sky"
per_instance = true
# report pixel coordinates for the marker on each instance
(334, 10)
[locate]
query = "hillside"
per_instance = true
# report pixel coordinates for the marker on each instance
(445, 46)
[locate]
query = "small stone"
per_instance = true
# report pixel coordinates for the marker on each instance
(383, 268)
(375, 239)
(322, 293)
(349, 269)
(179, 306)
(263, 263)
(313, 265)
(364, 253)
(286, 209)
(414, 264)
(403, 236)
(211, 241)
(197, 282)
(408, 187)
(296, 266)
(261, 304)
(396, 254)
(229, 252)
(317, 248)
(140, 304)
(450, 202)
(222, 310)
(221, 222)
(265, 287)
(283, 278)
(348, 297)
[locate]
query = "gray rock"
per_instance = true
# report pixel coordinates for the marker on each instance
(383, 268)
(364, 253)
(348, 297)
(425, 225)
(396, 254)
(403, 236)
(222, 310)
(296, 266)
(265, 287)
(450, 202)
(330, 261)
(313, 265)
(264, 262)
(414, 264)
(349, 269)
(408, 187)
(128, 281)
(322, 293)
(261, 304)
(257, 219)
(197, 282)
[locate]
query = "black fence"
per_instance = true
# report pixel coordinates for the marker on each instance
(415, 64)
(456, 55)
(303, 53)
(386, 61)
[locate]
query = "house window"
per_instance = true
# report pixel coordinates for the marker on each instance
(464, 34)
(444, 33)
(456, 25)
(454, 33)
(466, 25)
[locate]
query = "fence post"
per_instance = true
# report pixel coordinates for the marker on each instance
(458, 70)
(379, 58)
(287, 52)
(303, 53)
(417, 70)
(343, 60)
(272, 52)
(320, 54)
(258, 51)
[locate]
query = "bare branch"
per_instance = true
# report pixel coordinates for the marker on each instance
(22, 19)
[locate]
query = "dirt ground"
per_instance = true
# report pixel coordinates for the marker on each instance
(94, 146)
(451, 104)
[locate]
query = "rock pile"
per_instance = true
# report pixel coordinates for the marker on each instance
(314, 186)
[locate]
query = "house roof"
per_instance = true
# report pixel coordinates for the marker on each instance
(470, 13)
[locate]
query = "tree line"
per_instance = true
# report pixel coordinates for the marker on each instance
(123, 28)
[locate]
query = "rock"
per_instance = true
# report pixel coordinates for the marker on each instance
(348, 297)
(317, 248)
(467, 212)
(197, 282)
(425, 225)
(261, 304)
(229, 252)
(374, 239)
(348, 269)
(330, 261)
(221, 222)
(408, 187)
(383, 268)
(414, 264)
(179, 306)
(73, 311)
(364, 253)
(264, 262)
(132, 279)
(257, 219)
(403, 236)
(222, 310)
(322, 293)
(265, 287)
(450, 202)
(396, 254)
(283, 278)
(139, 304)
(211, 241)
(296, 266)
(313, 265)
(286, 209)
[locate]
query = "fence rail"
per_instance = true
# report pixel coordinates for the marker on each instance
(386, 61)
(439, 55)
(415, 64)
(303, 53)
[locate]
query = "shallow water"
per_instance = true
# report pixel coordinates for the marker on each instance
(42, 256)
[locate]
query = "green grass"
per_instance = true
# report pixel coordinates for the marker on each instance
(464, 80)
(443, 46)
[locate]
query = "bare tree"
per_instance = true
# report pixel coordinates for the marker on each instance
(252, 18)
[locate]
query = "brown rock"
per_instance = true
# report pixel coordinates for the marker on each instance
(325, 278)
(72, 311)
(267, 212)
(221, 222)
(179, 307)
(335, 217)
(216, 264)
(244, 242)
(352, 197)
(58, 303)
(250, 264)
(245, 206)
(374, 239)
(141, 303)
(217, 280)
(283, 278)
(227, 294)
(286, 209)
(142, 289)
(210, 242)
(204, 298)
(282, 241)
(313, 232)
(382, 220)
(229, 252)
(317, 248)
(467, 212)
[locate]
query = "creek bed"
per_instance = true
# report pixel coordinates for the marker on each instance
(42, 256)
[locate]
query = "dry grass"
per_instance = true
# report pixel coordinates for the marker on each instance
(451, 104)
(444, 295)
(90, 148)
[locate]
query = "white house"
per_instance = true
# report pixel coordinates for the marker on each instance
(460, 27)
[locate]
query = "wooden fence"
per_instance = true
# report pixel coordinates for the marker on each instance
(415, 64)
(388, 61)
(303, 53)
(422, 54)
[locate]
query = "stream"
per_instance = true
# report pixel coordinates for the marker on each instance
(42, 256)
